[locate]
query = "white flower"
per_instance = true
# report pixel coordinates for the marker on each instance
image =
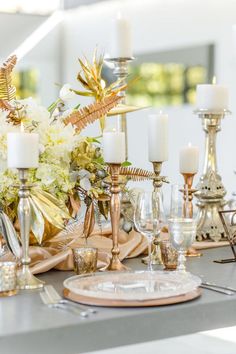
(66, 94)
(33, 111)
(84, 176)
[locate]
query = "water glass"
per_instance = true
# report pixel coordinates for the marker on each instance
(182, 235)
(147, 218)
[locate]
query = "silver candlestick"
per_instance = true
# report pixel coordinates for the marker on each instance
(121, 72)
(211, 191)
(25, 279)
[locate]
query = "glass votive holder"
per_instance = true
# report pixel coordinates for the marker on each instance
(8, 279)
(85, 260)
(169, 255)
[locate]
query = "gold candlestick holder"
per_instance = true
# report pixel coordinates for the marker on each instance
(211, 191)
(115, 263)
(157, 184)
(25, 279)
(188, 193)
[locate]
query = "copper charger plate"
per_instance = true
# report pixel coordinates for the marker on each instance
(86, 300)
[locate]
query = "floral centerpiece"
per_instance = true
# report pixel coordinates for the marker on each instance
(71, 167)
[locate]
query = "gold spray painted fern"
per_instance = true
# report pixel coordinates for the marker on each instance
(7, 90)
(88, 115)
(136, 174)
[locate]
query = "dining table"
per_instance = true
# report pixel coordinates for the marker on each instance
(27, 326)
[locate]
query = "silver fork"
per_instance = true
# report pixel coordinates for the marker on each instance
(47, 301)
(53, 294)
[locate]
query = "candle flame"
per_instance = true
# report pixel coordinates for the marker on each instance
(214, 80)
(160, 112)
(189, 144)
(22, 129)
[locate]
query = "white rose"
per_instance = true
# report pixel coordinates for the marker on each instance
(65, 93)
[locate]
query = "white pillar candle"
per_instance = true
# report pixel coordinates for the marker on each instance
(158, 137)
(114, 147)
(212, 97)
(120, 38)
(189, 159)
(22, 150)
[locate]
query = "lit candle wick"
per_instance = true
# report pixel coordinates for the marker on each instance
(189, 144)
(22, 127)
(214, 80)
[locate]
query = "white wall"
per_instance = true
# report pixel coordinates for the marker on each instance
(45, 56)
(161, 25)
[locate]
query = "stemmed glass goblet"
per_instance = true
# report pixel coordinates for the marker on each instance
(182, 228)
(147, 218)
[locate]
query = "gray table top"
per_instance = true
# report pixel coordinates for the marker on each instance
(27, 326)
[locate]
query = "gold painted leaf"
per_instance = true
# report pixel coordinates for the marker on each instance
(5, 106)
(136, 174)
(92, 112)
(103, 206)
(52, 209)
(122, 109)
(89, 220)
(37, 222)
(7, 90)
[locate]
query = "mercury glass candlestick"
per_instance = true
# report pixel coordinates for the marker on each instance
(115, 263)
(25, 279)
(211, 191)
(157, 184)
(121, 72)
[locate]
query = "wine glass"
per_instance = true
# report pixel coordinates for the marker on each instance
(147, 218)
(182, 228)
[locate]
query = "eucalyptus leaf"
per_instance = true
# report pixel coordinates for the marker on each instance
(37, 222)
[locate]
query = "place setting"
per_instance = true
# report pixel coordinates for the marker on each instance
(112, 206)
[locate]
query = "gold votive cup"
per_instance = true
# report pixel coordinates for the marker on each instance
(169, 255)
(8, 279)
(85, 260)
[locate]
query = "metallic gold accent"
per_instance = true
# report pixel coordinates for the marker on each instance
(211, 191)
(85, 260)
(115, 263)
(25, 279)
(169, 255)
(188, 206)
(157, 184)
(188, 197)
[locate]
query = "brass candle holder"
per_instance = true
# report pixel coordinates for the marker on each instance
(157, 184)
(25, 279)
(188, 193)
(115, 263)
(211, 191)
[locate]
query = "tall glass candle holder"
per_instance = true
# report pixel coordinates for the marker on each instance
(211, 191)
(121, 72)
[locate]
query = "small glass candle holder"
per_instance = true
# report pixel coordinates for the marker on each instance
(85, 260)
(169, 255)
(8, 279)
